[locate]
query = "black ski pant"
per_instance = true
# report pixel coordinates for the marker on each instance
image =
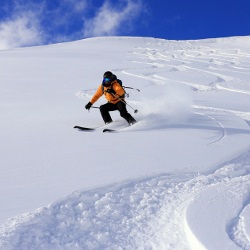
(121, 106)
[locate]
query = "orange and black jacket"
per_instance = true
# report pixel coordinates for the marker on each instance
(119, 93)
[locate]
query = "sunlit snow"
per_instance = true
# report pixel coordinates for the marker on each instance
(178, 179)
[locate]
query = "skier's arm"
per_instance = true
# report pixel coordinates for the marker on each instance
(97, 95)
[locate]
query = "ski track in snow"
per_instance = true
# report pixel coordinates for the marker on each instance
(144, 214)
(222, 129)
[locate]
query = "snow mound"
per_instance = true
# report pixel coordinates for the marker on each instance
(142, 215)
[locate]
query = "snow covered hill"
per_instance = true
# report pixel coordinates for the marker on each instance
(178, 179)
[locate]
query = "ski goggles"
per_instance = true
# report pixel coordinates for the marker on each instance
(106, 81)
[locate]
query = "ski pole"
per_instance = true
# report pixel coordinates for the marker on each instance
(122, 100)
(135, 110)
(131, 88)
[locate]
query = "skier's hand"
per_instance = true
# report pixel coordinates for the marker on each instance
(88, 106)
(110, 91)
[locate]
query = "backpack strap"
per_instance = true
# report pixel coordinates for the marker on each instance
(120, 82)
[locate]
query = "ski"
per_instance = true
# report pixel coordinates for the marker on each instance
(107, 130)
(87, 129)
(84, 128)
(101, 128)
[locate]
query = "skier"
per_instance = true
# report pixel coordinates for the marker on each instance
(115, 94)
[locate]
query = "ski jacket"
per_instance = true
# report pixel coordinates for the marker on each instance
(110, 98)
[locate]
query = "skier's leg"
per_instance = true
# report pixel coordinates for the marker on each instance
(104, 109)
(124, 113)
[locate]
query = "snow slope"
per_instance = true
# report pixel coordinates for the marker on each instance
(178, 179)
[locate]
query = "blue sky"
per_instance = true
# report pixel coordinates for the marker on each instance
(35, 22)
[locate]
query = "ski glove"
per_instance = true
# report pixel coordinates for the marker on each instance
(110, 91)
(88, 106)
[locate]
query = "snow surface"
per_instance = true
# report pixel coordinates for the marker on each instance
(178, 179)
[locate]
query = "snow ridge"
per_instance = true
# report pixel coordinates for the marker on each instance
(138, 215)
(240, 231)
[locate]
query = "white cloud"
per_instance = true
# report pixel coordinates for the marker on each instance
(20, 31)
(32, 23)
(108, 20)
(77, 5)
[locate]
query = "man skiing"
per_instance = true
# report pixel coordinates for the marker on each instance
(115, 94)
